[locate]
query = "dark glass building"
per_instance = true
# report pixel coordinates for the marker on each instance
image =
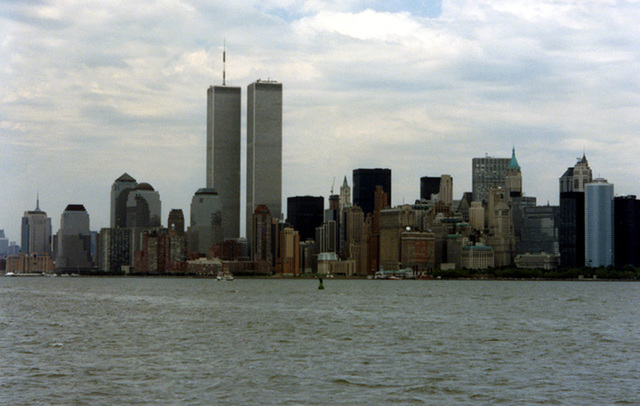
(364, 186)
(539, 231)
(571, 229)
(305, 213)
(429, 185)
(626, 231)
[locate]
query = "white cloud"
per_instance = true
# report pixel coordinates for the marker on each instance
(93, 89)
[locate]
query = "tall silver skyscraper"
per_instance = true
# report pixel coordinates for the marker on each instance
(264, 148)
(223, 153)
(598, 223)
(36, 231)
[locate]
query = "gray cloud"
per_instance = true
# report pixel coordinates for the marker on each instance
(93, 89)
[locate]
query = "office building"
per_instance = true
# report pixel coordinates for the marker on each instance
(143, 207)
(205, 229)
(626, 211)
(175, 221)
(445, 194)
(223, 153)
(73, 252)
(364, 187)
(598, 223)
(262, 232)
(539, 230)
(4, 244)
(571, 230)
(115, 250)
(429, 186)
(119, 197)
(264, 148)
(513, 178)
(345, 194)
(574, 179)
(486, 173)
(36, 231)
(305, 213)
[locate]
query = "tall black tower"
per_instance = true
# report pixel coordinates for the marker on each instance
(364, 186)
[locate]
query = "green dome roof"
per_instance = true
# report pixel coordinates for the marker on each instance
(513, 164)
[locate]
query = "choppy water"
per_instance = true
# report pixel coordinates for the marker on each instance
(137, 341)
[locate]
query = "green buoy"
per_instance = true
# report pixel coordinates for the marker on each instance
(320, 286)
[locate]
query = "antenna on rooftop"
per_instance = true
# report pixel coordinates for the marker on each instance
(333, 184)
(224, 62)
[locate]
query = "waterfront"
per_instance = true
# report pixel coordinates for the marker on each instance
(130, 341)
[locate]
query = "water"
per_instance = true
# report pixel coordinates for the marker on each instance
(141, 341)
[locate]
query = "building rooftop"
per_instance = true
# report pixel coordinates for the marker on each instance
(125, 177)
(75, 207)
(144, 186)
(206, 191)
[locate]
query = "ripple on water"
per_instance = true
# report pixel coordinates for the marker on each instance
(131, 341)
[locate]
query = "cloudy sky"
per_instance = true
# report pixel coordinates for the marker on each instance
(91, 89)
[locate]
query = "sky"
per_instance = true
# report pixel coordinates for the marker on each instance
(90, 90)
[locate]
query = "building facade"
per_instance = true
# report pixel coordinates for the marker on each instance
(305, 213)
(364, 187)
(486, 173)
(144, 208)
(264, 148)
(626, 211)
(205, 228)
(571, 225)
(598, 223)
(119, 197)
(73, 252)
(223, 153)
(36, 231)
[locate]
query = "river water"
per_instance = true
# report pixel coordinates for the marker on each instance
(145, 341)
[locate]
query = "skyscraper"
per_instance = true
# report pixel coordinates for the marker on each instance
(364, 187)
(74, 240)
(264, 148)
(305, 213)
(36, 231)
(345, 194)
(627, 229)
(143, 207)
(571, 226)
(223, 153)
(206, 224)
(429, 185)
(119, 195)
(598, 223)
(486, 173)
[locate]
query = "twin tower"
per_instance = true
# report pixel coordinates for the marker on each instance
(264, 150)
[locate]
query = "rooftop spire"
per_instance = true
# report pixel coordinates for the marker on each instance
(224, 62)
(513, 164)
(38, 201)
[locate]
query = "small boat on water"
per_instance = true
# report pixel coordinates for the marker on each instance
(23, 274)
(224, 276)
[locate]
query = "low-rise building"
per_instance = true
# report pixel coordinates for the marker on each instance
(477, 257)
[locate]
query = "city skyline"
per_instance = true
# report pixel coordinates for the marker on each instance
(420, 89)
